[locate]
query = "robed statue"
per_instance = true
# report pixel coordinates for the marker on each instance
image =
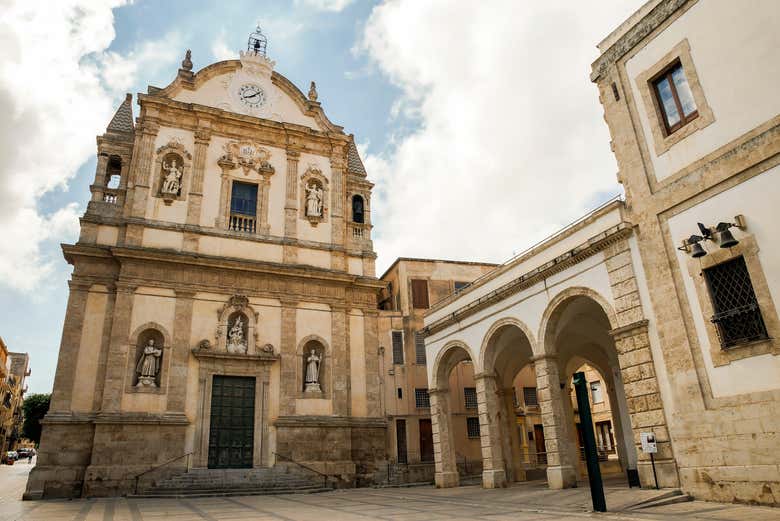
(172, 182)
(312, 379)
(236, 342)
(148, 365)
(314, 196)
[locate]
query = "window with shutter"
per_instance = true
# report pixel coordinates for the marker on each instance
(420, 294)
(529, 396)
(419, 348)
(398, 347)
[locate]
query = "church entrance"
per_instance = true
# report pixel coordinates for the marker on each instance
(231, 433)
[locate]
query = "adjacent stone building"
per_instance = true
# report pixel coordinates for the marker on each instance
(670, 295)
(13, 386)
(222, 310)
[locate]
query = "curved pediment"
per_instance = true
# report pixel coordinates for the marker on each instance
(251, 87)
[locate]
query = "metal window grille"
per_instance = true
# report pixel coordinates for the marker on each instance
(529, 396)
(419, 348)
(737, 316)
(398, 347)
(421, 399)
(470, 395)
(472, 427)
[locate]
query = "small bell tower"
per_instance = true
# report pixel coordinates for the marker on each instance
(257, 42)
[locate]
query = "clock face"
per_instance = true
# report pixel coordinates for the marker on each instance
(251, 95)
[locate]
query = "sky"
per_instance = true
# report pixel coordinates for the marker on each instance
(476, 120)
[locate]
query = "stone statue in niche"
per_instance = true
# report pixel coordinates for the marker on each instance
(314, 196)
(312, 379)
(236, 341)
(148, 365)
(172, 182)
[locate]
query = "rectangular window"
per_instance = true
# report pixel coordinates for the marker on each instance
(737, 316)
(595, 392)
(243, 207)
(419, 348)
(472, 427)
(529, 396)
(674, 97)
(470, 397)
(400, 393)
(400, 440)
(421, 399)
(398, 347)
(420, 294)
(460, 285)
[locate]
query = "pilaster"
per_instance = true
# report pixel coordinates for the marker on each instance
(70, 344)
(118, 347)
(195, 196)
(291, 204)
(289, 357)
(340, 361)
(180, 351)
(142, 174)
(337, 167)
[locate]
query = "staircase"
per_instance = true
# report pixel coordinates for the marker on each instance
(235, 482)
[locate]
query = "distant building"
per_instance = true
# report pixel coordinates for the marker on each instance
(13, 386)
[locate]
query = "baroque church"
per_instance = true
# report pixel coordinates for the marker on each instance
(222, 308)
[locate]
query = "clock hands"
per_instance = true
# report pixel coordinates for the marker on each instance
(252, 96)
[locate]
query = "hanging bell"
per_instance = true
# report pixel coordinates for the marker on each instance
(697, 250)
(726, 239)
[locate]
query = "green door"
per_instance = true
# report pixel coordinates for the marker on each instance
(231, 434)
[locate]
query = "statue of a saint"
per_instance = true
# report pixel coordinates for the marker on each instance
(172, 182)
(312, 379)
(313, 200)
(148, 365)
(236, 343)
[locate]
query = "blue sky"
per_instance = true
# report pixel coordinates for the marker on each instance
(478, 124)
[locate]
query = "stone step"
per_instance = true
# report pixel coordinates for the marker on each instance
(228, 492)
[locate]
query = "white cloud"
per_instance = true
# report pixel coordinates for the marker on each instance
(325, 5)
(220, 49)
(511, 142)
(58, 89)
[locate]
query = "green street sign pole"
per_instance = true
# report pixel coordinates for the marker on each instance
(589, 437)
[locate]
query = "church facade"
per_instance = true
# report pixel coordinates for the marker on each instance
(222, 308)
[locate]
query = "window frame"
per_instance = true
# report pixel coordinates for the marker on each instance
(598, 385)
(426, 402)
(393, 335)
(420, 357)
(526, 393)
(470, 421)
(466, 401)
(666, 74)
(419, 294)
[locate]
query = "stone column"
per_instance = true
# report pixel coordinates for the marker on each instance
(70, 344)
(291, 205)
(105, 343)
(337, 167)
(117, 351)
(289, 361)
(443, 445)
(195, 197)
(488, 404)
(558, 429)
(263, 196)
(180, 351)
(373, 375)
(340, 361)
(100, 177)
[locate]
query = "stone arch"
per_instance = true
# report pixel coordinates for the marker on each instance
(323, 351)
(237, 304)
(555, 308)
(487, 354)
(448, 356)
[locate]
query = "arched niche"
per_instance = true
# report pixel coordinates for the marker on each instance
(173, 166)
(314, 183)
(358, 209)
(138, 341)
(320, 347)
(237, 307)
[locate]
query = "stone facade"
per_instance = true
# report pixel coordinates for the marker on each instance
(719, 403)
(14, 370)
(196, 266)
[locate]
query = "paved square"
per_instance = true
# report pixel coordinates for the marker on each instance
(525, 501)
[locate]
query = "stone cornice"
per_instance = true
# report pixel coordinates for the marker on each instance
(634, 35)
(562, 262)
(115, 418)
(628, 329)
(330, 421)
(266, 358)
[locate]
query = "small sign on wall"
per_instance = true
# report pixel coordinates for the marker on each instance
(648, 443)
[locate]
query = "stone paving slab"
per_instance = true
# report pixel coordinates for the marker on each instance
(531, 501)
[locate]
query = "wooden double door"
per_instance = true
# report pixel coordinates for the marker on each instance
(232, 427)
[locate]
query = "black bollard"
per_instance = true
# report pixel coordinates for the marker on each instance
(589, 437)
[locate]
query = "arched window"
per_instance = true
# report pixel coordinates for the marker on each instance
(113, 171)
(358, 212)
